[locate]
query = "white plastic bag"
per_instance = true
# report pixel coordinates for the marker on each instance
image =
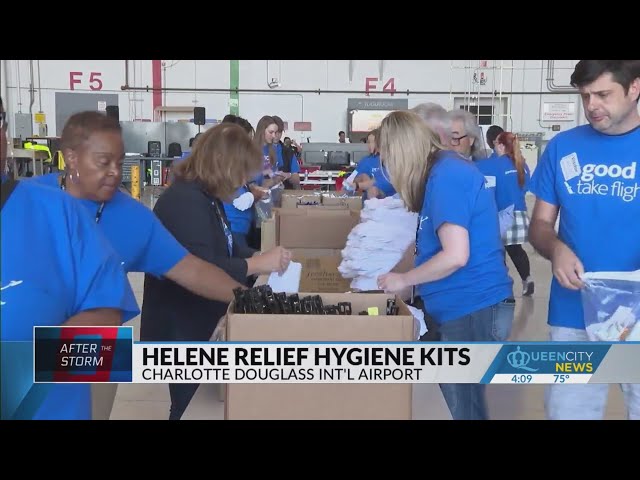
(377, 244)
(611, 303)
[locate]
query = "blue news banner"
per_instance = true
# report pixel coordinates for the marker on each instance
(102, 356)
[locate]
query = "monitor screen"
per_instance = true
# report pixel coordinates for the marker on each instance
(363, 121)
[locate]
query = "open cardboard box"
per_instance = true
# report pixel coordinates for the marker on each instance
(322, 401)
(314, 228)
(303, 199)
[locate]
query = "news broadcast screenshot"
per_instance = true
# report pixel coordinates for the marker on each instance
(352, 240)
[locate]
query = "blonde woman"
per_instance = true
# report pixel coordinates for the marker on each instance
(460, 271)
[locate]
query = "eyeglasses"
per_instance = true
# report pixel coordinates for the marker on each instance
(456, 141)
(4, 123)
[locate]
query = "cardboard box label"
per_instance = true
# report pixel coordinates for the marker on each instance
(321, 275)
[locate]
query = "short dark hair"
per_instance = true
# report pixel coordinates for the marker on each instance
(492, 133)
(239, 121)
(80, 126)
(341, 132)
(623, 72)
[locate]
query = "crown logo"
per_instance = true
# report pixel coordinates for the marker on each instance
(520, 360)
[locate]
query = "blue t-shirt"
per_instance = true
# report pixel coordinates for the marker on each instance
(295, 167)
(455, 193)
(133, 230)
(595, 181)
(240, 221)
(372, 167)
(55, 264)
(502, 178)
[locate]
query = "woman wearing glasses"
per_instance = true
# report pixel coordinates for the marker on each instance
(57, 269)
(460, 271)
(465, 135)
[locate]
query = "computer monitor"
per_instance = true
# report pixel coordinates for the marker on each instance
(331, 155)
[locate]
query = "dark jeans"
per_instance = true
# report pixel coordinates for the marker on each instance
(467, 401)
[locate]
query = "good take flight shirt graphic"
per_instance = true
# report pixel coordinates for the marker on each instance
(613, 180)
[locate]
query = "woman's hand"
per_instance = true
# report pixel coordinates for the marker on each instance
(392, 282)
(374, 192)
(275, 260)
(258, 193)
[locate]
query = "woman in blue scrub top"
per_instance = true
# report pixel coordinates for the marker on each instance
(460, 271)
(57, 269)
(94, 150)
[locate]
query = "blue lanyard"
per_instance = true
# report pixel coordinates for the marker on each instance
(227, 232)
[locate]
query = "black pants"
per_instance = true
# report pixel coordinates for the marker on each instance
(181, 395)
(520, 260)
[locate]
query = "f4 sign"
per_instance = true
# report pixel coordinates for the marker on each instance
(371, 83)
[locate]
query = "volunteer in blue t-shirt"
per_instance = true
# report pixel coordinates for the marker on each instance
(241, 212)
(93, 151)
(286, 160)
(460, 271)
(590, 175)
(370, 176)
(57, 269)
(507, 176)
(492, 133)
(266, 139)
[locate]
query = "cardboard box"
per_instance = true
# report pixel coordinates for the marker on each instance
(314, 228)
(268, 234)
(319, 273)
(299, 199)
(353, 203)
(322, 401)
(293, 200)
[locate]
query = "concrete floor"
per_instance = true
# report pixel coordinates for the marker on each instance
(151, 401)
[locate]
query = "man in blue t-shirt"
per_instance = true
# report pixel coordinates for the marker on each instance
(591, 175)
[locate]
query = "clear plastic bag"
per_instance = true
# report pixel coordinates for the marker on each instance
(276, 195)
(611, 303)
(263, 210)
